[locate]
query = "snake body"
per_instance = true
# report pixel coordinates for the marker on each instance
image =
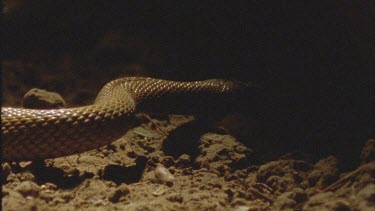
(29, 134)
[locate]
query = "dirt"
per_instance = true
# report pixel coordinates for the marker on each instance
(173, 162)
(299, 151)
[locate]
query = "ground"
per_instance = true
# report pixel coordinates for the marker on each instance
(172, 162)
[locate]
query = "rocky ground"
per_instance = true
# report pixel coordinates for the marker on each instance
(173, 162)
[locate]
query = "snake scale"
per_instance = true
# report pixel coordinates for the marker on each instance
(29, 134)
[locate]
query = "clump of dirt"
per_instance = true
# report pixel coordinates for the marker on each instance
(153, 167)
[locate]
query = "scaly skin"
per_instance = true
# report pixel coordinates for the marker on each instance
(29, 134)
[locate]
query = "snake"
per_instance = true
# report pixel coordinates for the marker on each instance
(31, 134)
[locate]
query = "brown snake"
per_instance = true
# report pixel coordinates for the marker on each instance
(29, 134)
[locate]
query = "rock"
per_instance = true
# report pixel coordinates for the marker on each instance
(42, 99)
(366, 197)
(281, 184)
(175, 197)
(368, 151)
(167, 161)
(241, 208)
(159, 191)
(284, 202)
(28, 188)
(338, 204)
(121, 191)
(183, 161)
(16, 201)
(324, 173)
(163, 176)
(282, 175)
(289, 200)
(222, 153)
(12, 178)
(368, 193)
(318, 201)
(26, 176)
(6, 170)
(272, 169)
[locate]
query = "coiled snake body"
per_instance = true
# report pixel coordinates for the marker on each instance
(29, 134)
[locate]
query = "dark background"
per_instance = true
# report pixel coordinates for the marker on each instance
(315, 59)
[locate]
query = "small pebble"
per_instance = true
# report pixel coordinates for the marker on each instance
(163, 176)
(167, 161)
(176, 197)
(183, 161)
(159, 191)
(49, 186)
